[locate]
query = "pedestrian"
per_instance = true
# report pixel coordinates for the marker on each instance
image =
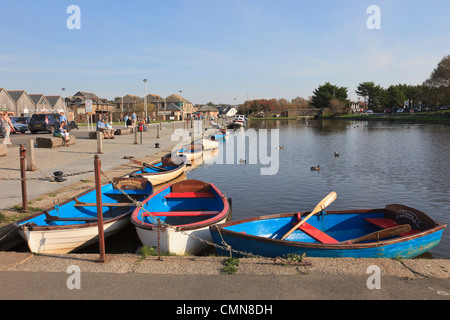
(134, 119)
(62, 117)
(7, 127)
(126, 120)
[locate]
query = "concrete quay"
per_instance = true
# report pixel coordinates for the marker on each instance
(129, 277)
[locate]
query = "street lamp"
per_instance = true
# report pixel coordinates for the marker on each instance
(145, 98)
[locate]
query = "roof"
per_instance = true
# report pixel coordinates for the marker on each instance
(176, 98)
(207, 109)
(16, 94)
(53, 99)
(36, 98)
(86, 95)
(172, 107)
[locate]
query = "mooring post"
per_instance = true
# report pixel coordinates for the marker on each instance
(99, 142)
(23, 154)
(98, 189)
(30, 158)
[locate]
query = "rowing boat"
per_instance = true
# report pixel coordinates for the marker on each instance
(191, 153)
(397, 231)
(183, 210)
(159, 172)
(73, 224)
(208, 144)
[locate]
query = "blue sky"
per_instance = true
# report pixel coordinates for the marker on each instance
(217, 50)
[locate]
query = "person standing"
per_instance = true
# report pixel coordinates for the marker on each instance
(134, 119)
(126, 120)
(6, 126)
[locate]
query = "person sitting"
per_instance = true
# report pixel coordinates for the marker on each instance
(102, 128)
(63, 133)
(110, 129)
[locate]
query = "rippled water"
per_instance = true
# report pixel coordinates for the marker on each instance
(379, 163)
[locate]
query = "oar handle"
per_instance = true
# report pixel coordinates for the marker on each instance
(320, 206)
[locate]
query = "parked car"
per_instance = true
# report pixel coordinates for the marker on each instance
(44, 122)
(24, 120)
(19, 127)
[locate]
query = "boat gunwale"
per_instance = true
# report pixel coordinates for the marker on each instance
(337, 246)
(193, 226)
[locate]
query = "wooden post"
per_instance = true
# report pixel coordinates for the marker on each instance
(23, 153)
(30, 162)
(98, 189)
(135, 135)
(157, 132)
(173, 127)
(99, 142)
(141, 135)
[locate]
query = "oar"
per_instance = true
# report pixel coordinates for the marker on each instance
(148, 165)
(322, 205)
(382, 234)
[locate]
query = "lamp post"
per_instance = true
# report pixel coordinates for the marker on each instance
(145, 98)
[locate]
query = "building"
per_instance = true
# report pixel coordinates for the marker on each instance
(41, 103)
(77, 103)
(208, 112)
(23, 105)
(156, 100)
(57, 103)
(6, 102)
(186, 106)
(227, 111)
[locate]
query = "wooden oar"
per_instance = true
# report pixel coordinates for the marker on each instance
(320, 206)
(390, 232)
(148, 165)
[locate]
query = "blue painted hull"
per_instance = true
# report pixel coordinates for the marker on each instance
(262, 236)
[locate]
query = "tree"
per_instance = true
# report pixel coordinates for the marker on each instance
(372, 92)
(437, 87)
(395, 96)
(324, 93)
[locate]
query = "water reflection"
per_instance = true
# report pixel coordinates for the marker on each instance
(379, 163)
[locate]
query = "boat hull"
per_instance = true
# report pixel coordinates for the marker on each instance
(73, 224)
(177, 242)
(262, 236)
(60, 241)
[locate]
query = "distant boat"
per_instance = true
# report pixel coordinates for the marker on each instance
(208, 144)
(159, 172)
(190, 206)
(191, 152)
(73, 224)
(239, 121)
(396, 231)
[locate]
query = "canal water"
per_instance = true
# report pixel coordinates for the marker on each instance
(378, 163)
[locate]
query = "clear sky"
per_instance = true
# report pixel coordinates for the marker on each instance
(223, 51)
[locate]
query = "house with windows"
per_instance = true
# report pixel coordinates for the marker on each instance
(186, 106)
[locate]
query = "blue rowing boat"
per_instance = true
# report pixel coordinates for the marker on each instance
(396, 231)
(73, 224)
